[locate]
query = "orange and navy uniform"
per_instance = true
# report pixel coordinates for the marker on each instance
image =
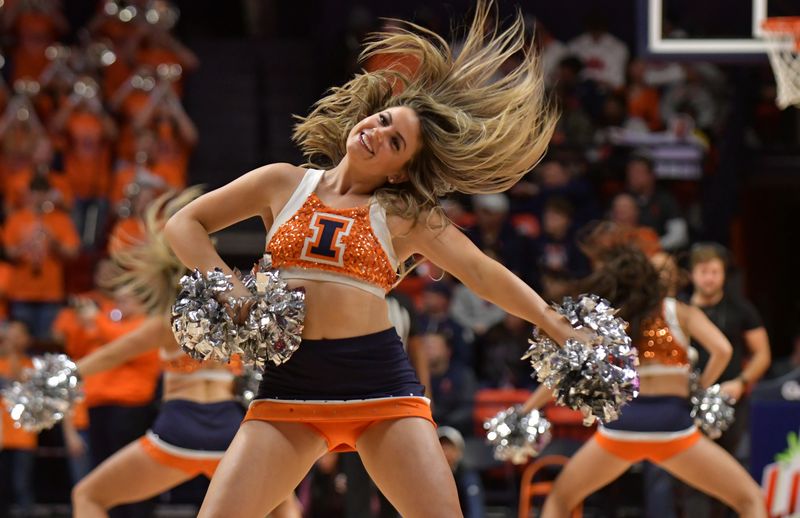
(352, 246)
(188, 435)
(654, 428)
(342, 386)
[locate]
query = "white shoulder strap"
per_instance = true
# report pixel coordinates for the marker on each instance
(671, 316)
(304, 189)
(377, 219)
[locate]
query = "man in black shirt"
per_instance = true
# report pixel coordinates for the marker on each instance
(736, 318)
(740, 322)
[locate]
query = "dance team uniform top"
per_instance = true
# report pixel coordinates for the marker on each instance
(188, 435)
(655, 428)
(338, 387)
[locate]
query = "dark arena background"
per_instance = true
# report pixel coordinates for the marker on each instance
(669, 127)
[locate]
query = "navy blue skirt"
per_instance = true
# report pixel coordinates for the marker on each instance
(651, 414)
(198, 426)
(362, 367)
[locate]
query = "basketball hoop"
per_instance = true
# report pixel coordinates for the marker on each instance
(783, 36)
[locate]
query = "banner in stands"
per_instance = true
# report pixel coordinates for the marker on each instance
(775, 446)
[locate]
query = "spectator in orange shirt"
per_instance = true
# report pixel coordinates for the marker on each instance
(175, 134)
(87, 133)
(17, 187)
(127, 102)
(128, 174)
(135, 188)
(55, 82)
(25, 151)
(625, 213)
(35, 26)
(107, 26)
(18, 450)
(22, 137)
(38, 239)
(157, 48)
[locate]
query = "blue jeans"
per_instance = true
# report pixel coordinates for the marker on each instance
(38, 316)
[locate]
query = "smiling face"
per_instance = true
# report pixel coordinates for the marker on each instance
(386, 142)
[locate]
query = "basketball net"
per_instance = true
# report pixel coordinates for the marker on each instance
(783, 36)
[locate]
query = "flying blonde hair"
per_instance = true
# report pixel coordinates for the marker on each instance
(480, 134)
(148, 268)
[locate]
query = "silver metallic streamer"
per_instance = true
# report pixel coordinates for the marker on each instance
(517, 437)
(712, 410)
(207, 330)
(49, 391)
(597, 377)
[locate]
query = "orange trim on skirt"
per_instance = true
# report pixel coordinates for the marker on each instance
(340, 423)
(194, 467)
(655, 451)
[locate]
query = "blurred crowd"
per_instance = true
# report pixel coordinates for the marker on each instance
(92, 129)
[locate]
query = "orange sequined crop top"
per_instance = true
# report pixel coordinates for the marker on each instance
(662, 344)
(309, 240)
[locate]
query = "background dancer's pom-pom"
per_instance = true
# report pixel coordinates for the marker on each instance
(48, 392)
(712, 409)
(205, 328)
(517, 437)
(246, 384)
(597, 377)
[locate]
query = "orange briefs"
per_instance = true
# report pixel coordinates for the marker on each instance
(655, 449)
(189, 461)
(340, 423)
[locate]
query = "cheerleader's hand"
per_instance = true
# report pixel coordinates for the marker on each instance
(733, 389)
(238, 308)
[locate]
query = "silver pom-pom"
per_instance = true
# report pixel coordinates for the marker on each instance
(205, 328)
(48, 392)
(597, 377)
(712, 410)
(201, 324)
(517, 437)
(246, 384)
(274, 325)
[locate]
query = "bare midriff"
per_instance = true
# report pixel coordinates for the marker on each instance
(664, 384)
(339, 311)
(197, 389)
